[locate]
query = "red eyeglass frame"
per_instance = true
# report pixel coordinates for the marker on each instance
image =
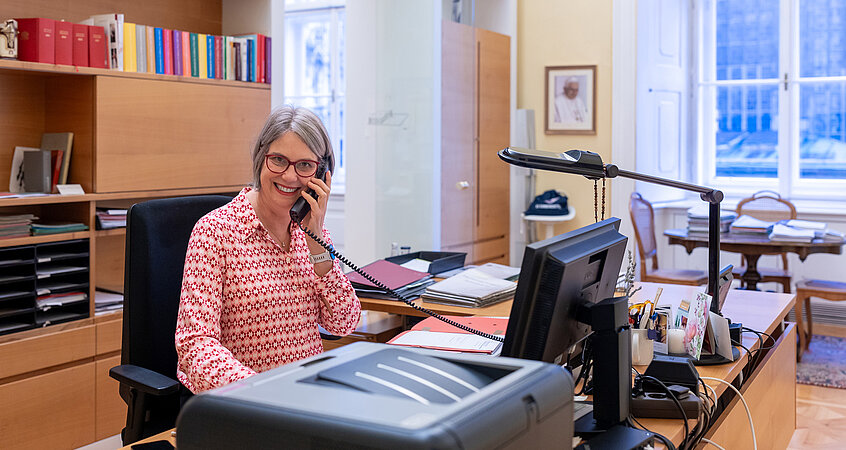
(290, 164)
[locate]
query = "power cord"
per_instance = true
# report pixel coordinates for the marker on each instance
(748, 413)
(404, 299)
(667, 443)
(672, 397)
(708, 441)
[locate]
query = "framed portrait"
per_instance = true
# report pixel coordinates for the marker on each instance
(570, 100)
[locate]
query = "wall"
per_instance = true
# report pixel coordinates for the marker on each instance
(556, 33)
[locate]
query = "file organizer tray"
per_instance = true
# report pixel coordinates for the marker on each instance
(438, 261)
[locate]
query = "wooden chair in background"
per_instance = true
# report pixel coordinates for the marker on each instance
(768, 206)
(643, 220)
(829, 290)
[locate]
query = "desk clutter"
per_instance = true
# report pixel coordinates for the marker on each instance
(434, 334)
(793, 230)
(697, 220)
(413, 275)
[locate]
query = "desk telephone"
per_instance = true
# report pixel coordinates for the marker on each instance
(298, 213)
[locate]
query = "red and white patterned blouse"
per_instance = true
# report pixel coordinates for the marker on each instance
(247, 305)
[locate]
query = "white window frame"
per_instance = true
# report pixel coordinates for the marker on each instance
(788, 182)
(337, 92)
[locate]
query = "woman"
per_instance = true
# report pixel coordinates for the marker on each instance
(255, 287)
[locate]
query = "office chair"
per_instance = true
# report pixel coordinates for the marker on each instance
(157, 236)
(643, 219)
(769, 206)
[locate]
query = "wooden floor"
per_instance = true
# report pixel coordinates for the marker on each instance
(820, 412)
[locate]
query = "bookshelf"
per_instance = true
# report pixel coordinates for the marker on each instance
(137, 136)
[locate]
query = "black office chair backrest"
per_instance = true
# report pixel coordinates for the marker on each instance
(156, 241)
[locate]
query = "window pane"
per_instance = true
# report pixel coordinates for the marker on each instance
(822, 38)
(307, 59)
(747, 39)
(822, 147)
(341, 83)
(747, 137)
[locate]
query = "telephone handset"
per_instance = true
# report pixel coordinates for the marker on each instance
(301, 206)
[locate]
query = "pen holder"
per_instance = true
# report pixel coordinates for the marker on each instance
(642, 347)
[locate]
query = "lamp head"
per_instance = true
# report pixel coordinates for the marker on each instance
(578, 162)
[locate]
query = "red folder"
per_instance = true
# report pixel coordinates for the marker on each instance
(80, 45)
(260, 58)
(97, 55)
(218, 57)
(490, 325)
(37, 41)
(392, 275)
(64, 43)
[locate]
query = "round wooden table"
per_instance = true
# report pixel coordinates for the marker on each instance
(752, 247)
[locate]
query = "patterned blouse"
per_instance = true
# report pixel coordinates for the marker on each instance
(247, 305)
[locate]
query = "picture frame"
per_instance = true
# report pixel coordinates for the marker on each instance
(570, 103)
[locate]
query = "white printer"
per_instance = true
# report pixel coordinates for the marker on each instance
(376, 396)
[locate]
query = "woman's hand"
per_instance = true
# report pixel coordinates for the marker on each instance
(314, 219)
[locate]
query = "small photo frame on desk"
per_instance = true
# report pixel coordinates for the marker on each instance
(570, 100)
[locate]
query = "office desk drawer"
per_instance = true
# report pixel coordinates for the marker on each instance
(48, 350)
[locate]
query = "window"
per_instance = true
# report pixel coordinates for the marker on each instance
(314, 68)
(771, 93)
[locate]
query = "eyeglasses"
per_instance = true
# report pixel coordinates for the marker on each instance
(279, 164)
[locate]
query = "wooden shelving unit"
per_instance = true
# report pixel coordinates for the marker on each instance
(137, 136)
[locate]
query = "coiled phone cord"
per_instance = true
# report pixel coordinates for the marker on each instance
(404, 299)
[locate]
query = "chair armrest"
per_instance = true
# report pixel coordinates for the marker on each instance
(145, 380)
(329, 337)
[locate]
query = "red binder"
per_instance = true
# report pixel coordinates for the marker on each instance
(37, 41)
(64, 43)
(80, 45)
(97, 55)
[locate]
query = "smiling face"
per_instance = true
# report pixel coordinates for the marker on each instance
(279, 191)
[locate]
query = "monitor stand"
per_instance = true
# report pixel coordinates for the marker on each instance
(611, 344)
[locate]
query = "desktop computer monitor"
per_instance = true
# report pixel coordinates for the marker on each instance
(559, 275)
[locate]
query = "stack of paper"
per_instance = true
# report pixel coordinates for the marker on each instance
(404, 281)
(750, 225)
(15, 225)
(820, 229)
(111, 218)
(784, 233)
(473, 288)
(45, 302)
(697, 220)
(43, 228)
(107, 301)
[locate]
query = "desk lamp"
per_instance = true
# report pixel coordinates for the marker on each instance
(589, 165)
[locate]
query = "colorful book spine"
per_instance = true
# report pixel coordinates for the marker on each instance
(167, 50)
(267, 59)
(260, 58)
(129, 52)
(151, 49)
(80, 45)
(237, 47)
(195, 56)
(186, 54)
(37, 40)
(230, 68)
(202, 55)
(218, 57)
(209, 56)
(159, 51)
(64, 43)
(140, 48)
(98, 55)
(177, 52)
(251, 60)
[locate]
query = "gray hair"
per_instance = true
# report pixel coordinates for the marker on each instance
(300, 121)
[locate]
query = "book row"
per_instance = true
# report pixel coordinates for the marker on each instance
(107, 41)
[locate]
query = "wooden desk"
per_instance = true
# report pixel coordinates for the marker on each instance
(752, 247)
(769, 390)
(169, 435)
(774, 416)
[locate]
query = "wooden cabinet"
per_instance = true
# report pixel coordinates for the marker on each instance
(137, 136)
(475, 107)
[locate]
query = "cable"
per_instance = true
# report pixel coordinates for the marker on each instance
(667, 443)
(404, 299)
(707, 441)
(676, 401)
(748, 413)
